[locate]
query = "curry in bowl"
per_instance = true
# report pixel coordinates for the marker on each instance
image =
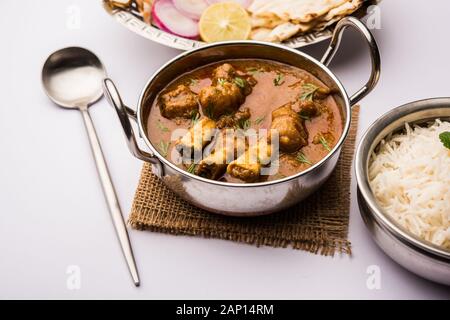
(245, 97)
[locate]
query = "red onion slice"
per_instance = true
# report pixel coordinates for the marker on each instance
(191, 8)
(169, 19)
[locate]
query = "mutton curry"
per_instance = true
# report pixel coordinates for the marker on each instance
(221, 106)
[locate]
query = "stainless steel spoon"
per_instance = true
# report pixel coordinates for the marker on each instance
(72, 78)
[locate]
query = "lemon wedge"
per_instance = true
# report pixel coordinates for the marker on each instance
(224, 21)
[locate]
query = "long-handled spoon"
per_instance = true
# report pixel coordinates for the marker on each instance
(72, 78)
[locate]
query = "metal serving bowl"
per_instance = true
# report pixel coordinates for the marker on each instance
(419, 256)
(234, 198)
(131, 19)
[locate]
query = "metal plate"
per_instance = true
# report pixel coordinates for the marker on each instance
(132, 20)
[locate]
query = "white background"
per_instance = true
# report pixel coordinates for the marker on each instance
(52, 210)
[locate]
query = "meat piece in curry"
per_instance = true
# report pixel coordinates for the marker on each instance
(227, 148)
(197, 137)
(225, 94)
(247, 167)
(225, 72)
(179, 103)
(237, 120)
(222, 99)
(290, 128)
(246, 96)
(308, 109)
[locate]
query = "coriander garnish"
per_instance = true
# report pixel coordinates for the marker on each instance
(259, 120)
(304, 116)
(195, 117)
(302, 158)
(445, 139)
(279, 80)
(208, 111)
(309, 90)
(191, 168)
(221, 81)
(244, 124)
(239, 82)
(253, 70)
(193, 82)
(163, 148)
(324, 143)
(161, 126)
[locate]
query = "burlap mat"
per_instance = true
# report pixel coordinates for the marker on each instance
(319, 224)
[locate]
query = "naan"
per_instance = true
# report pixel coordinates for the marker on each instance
(260, 34)
(302, 11)
(283, 31)
(265, 22)
(279, 20)
(338, 13)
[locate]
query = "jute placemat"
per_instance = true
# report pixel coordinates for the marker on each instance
(319, 224)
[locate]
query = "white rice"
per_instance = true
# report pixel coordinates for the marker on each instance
(410, 177)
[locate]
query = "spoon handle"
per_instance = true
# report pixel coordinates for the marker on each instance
(110, 195)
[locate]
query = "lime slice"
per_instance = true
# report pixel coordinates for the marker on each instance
(224, 21)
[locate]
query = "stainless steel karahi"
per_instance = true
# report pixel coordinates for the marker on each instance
(413, 253)
(253, 198)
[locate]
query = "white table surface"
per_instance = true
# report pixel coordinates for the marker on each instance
(52, 211)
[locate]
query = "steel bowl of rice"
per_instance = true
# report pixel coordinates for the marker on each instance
(403, 173)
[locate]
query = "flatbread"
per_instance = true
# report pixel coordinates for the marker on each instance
(283, 31)
(279, 20)
(260, 34)
(338, 13)
(302, 11)
(343, 10)
(266, 22)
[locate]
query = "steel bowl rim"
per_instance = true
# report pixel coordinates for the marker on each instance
(386, 222)
(182, 55)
